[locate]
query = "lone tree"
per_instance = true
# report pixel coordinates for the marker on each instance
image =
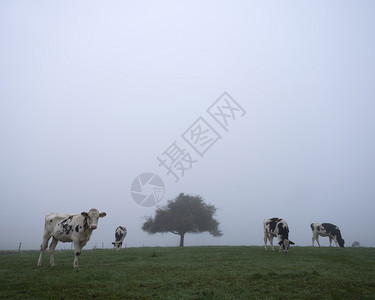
(184, 214)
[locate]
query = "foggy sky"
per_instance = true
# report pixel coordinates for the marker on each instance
(93, 92)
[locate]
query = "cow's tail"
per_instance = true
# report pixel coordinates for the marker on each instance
(312, 226)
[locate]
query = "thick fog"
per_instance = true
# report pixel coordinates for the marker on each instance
(94, 94)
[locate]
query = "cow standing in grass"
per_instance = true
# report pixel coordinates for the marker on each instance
(69, 228)
(276, 227)
(327, 229)
(120, 234)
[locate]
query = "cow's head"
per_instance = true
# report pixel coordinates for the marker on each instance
(92, 218)
(117, 245)
(339, 237)
(285, 243)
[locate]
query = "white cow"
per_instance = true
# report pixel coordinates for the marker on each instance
(327, 229)
(120, 234)
(69, 228)
(276, 227)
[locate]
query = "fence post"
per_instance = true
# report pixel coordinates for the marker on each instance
(19, 247)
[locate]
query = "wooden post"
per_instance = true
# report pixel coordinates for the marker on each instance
(19, 247)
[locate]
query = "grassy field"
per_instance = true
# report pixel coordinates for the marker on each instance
(192, 273)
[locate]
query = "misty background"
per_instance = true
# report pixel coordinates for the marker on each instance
(92, 92)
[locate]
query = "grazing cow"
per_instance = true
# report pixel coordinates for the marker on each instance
(279, 228)
(69, 228)
(120, 234)
(326, 229)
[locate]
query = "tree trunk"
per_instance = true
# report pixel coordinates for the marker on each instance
(182, 235)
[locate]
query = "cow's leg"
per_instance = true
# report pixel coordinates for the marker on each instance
(77, 252)
(265, 240)
(43, 247)
(330, 241)
(52, 247)
(313, 239)
(317, 239)
(271, 241)
(335, 240)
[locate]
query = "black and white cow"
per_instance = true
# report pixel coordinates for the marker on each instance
(120, 234)
(279, 228)
(327, 229)
(69, 228)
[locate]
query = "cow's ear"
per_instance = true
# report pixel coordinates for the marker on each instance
(290, 242)
(102, 214)
(120, 243)
(85, 214)
(113, 243)
(280, 243)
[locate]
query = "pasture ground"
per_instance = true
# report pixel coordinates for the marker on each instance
(215, 272)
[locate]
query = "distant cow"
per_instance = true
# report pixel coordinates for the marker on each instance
(276, 227)
(327, 229)
(120, 234)
(69, 228)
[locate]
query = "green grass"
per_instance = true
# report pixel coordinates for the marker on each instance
(192, 273)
